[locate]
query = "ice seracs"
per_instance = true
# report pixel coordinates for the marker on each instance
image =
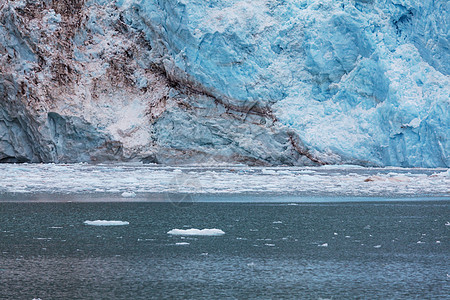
(256, 82)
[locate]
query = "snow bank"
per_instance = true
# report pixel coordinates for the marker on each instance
(106, 223)
(194, 231)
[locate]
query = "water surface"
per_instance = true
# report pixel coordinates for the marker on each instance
(269, 250)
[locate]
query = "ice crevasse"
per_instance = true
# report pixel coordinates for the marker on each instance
(271, 82)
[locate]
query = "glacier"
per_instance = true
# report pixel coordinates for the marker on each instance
(264, 82)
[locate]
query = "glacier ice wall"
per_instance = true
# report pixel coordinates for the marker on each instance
(261, 82)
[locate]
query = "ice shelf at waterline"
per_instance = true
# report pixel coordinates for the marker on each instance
(257, 82)
(141, 180)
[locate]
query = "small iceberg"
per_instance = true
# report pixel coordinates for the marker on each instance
(194, 231)
(106, 223)
(323, 245)
(128, 195)
(182, 244)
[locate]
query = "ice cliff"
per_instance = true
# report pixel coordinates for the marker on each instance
(266, 82)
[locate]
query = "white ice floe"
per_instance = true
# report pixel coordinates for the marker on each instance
(90, 179)
(182, 244)
(268, 172)
(106, 223)
(194, 231)
(377, 246)
(323, 245)
(447, 224)
(277, 222)
(128, 194)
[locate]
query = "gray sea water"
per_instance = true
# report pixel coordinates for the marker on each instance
(346, 250)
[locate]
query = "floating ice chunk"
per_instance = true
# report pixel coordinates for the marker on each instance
(377, 246)
(106, 223)
(367, 227)
(268, 172)
(128, 194)
(277, 222)
(182, 244)
(323, 245)
(438, 242)
(347, 236)
(447, 224)
(270, 245)
(308, 178)
(194, 231)
(420, 242)
(335, 233)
